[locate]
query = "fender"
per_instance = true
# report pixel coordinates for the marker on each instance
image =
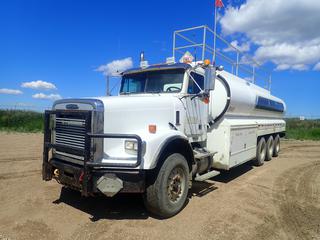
(165, 145)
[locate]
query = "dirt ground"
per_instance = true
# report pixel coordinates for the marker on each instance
(280, 200)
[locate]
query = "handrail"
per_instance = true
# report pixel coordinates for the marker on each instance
(202, 45)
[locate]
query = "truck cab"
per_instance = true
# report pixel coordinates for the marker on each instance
(120, 143)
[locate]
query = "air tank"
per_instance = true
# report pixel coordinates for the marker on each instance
(236, 97)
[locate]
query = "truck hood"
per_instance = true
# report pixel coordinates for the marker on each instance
(133, 114)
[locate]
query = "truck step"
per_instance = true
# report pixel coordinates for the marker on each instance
(206, 176)
(203, 154)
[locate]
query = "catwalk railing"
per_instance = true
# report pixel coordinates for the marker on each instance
(199, 41)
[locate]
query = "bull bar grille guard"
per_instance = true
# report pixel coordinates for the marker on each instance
(88, 164)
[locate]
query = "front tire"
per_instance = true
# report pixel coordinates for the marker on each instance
(168, 194)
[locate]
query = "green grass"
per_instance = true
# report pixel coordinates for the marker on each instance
(303, 130)
(28, 121)
(21, 121)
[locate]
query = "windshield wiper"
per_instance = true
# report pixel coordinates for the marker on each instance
(158, 91)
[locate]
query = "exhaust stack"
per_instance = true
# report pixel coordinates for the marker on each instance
(143, 62)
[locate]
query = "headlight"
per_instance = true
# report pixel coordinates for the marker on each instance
(131, 145)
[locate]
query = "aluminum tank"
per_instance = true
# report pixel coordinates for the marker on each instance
(237, 97)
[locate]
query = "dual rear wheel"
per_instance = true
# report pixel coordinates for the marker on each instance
(267, 148)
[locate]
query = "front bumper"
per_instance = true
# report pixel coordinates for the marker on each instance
(72, 175)
(87, 177)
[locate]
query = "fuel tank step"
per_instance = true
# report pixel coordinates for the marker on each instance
(202, 153)
(206, 176)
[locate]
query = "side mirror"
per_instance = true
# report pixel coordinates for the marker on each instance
(220, 68)
(210, 78)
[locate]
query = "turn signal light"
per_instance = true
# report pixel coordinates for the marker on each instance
(152, 128)
(206, 100)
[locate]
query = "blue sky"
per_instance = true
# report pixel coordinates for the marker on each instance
(62, 42)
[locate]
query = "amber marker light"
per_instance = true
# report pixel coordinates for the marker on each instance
(206, 62)
(206, 100)
(152, 128)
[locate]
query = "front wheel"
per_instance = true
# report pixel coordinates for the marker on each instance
(168, 194)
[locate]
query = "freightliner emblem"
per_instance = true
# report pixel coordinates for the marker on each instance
(72, 106)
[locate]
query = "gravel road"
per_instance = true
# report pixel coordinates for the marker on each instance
(280, 200)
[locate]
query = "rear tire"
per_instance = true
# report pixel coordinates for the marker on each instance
(168, 194)
(261, 152)
(276, 148)
(270, 148)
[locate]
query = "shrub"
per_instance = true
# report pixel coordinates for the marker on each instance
(21, 121)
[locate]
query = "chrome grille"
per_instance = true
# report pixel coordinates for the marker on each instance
(70, 132)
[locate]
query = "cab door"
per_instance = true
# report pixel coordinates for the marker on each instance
(196, 109)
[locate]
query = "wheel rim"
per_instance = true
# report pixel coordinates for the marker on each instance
(278, 147)
(263, 151)
(176, 184)
(270, 148)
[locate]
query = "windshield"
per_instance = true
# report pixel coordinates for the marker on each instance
(161, 81)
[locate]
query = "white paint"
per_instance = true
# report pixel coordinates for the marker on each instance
(233, 137)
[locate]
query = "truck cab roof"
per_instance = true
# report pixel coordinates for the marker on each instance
(158, 67)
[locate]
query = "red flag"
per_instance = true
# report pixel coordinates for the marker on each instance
(219, 3)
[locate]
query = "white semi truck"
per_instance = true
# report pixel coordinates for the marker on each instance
(171, 124)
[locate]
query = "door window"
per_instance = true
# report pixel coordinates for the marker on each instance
(192, 87)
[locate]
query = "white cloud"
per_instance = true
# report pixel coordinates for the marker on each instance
(45, 96)
(245, 47)
(284, 31)
(10, 91)
(282, 67)
(289, 54)
(115, 67)
(39, 84)
(317, 67)
(298, 67)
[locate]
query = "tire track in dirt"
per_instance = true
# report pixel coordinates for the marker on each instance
(298, 201)
(302, 146)
(35, 229)
(93, 231)
(296, 198)
(15, 175)
(19, 159)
